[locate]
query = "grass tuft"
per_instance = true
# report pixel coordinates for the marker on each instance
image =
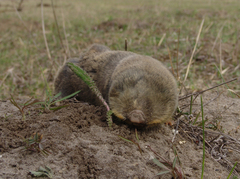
(42, 172)
(34, 143)
(170, 167)
(51, 100)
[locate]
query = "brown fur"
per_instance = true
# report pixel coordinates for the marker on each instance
(136, 87)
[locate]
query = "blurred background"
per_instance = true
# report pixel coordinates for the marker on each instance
(37, 37)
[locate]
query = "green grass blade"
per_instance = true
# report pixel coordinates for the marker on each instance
(14, 103)
(131, 141)
(174, 162)
(59, 107)
(57, 95)
(176, 154)
(194, 122)
(159, 164)
(125, 139)
(191, 105)
(223, 79)
(136, 135)
(232, 170)
(203, 123)
(35, 137)
(66, 97)
(27, 101)
(47, 91)
(82, 74)
(91, 84)
(40, 102)
(162, 173)
(35, 101)
(88, 80)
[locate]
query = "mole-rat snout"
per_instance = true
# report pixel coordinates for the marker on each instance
(137, 117)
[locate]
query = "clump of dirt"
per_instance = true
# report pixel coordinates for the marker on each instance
(83, 146)
(111, 25)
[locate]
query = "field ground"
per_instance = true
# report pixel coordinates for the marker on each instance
(81, 144)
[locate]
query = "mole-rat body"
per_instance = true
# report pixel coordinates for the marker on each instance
(136, 87)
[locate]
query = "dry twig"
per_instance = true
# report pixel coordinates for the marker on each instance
(197, 93)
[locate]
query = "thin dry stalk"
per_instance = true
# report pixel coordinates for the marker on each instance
(236, 68)
(44, 33)
(208, 27)
(182, 87)
(227, 108)
(141, 38)
(190, 61)
(169, 53)
(7, 74)
(55, 18)
(170, 164)
(197, 93)
(178, 52)
(218, 35)
(31, 70)
(198, 50)
(182, 40)
(65, 35)
(228, 90)
(161, 40)
(225, 70)
(210, 101)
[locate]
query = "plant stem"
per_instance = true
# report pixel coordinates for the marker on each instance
(203, 123)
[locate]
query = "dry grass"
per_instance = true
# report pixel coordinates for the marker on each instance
(150, 27)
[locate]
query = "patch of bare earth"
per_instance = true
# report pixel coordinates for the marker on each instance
(83, 146)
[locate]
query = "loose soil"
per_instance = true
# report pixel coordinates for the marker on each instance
(83, 146)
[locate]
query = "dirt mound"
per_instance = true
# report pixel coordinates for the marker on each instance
(83, 146)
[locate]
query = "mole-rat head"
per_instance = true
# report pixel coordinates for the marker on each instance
(142, 106)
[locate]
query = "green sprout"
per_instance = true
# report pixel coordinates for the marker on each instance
(47, 104)
(91, 84)
(34, 143)
(25, 105)
(169, 167)
(131, 141)
(42, 172)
